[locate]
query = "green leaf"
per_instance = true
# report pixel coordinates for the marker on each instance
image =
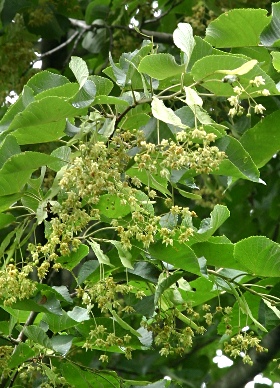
(124, 255)
(79, 69)
(207, 71)
(258, 256)
(22, 352)
(187, 194)
(167, 115)
(276, 60)
(160, 66)
(271, 35)
(262, 141)
(136, 121)
(101, 257)
(62, 343)
(110, 206)
(57, 324)
(103, 85)
(238, 163)
(119, 74)
(110, 100)
(273, 308)
(8, 148)
(66, 91)
(74, 375)
(47, 298)
(166, 283)
(153, 180)
(88, 378)
(209, 226)
(184, 40)
(17, 170)
(63, 154)
(216, 253)
(86, 270)
(27, 95)
(63, 291)
(179, 255)
(85, 96)
(45, 80)
(72, 260)
(12, 111)
(123, 324)
(6, 219)
(38, 336)
(159, 384)
(237, 28)
(42, 121)
(146, 271)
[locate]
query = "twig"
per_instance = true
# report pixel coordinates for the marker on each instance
(57, 48)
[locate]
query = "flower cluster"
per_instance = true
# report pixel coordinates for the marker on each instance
(30, 372)
(240, 344)
(15, 285)
(168, 336)
(105, 294)
(235, 100)
(192, 149)
(5, 355)
(100, 168)
(100, 338)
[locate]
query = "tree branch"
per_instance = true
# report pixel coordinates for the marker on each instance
(160, 37)
(240, 374)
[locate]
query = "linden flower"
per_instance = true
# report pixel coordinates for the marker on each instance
(259, 109)
(232, 112)
(258, 81)
(233, 100)
(237, 90)
(265, 92)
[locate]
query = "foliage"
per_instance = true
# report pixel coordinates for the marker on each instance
(139, 217)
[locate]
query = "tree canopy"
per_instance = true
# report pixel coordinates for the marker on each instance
(139, 193)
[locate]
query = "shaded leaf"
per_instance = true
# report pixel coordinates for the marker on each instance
(271, 35)
(86, 270)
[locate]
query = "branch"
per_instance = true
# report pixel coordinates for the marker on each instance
(240, 374)
(161, 37)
